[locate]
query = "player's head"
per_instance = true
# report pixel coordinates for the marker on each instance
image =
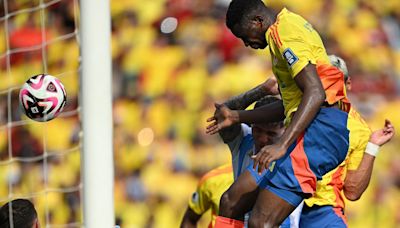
(341, 65)
(23, 214)
(248, 20)
(267, 133)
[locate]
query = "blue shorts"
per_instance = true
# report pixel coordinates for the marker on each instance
(320, 149)
(293, 198)
(322, 216)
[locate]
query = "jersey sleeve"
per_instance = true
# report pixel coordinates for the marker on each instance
(200, 201)
(294, 46)
(359, 138)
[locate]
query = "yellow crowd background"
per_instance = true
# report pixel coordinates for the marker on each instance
(171, 60)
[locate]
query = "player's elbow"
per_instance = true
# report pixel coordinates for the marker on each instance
(352, 195)
(320, 95)
(317, 98)
(353, 190)
(316, 94)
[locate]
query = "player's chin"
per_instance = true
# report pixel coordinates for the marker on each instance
(259, 46)
(264, 45)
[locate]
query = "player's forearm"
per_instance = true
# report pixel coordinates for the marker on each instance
(273, 112)
(307, 110)
(357, 181)
(313, 97)
(242, 101)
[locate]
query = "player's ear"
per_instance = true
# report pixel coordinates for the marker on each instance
(36, 224)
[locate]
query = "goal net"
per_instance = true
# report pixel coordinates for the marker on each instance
(42, 161)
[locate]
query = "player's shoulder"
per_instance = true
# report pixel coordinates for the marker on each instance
(356, 123)
(224, 171)
(287, 15)
(290, 25)
(356, 117)
(288, 18)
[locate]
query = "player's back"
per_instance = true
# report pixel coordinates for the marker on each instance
(294, 44)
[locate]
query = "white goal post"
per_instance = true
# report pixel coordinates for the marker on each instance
(97, 123)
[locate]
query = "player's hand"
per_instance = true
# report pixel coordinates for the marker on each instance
(384, 135)
(223, 118)
(268, 154)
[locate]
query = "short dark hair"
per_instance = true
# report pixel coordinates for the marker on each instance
(23, 214)
(239, 9)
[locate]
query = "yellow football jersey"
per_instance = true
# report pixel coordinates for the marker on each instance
(293, 44)
(329, 189)
(209, 190)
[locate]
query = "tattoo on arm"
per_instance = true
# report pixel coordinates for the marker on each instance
(242, 101)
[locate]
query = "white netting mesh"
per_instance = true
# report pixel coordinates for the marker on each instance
(40, 161)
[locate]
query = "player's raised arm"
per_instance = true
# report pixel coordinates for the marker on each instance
(357, 181)
(273, 112)
(225, 120)
(313, 97)
(242, 101)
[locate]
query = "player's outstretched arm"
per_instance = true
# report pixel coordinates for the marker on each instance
(313, 97)
(272, 112)
(242, 101)
(226, 122)
(190, 219)
(357, 181)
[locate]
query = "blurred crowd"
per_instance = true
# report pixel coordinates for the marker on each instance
(172, 59)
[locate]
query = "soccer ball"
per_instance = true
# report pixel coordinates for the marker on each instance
(42, 97)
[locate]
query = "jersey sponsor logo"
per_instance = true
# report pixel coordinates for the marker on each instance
(290, 57)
